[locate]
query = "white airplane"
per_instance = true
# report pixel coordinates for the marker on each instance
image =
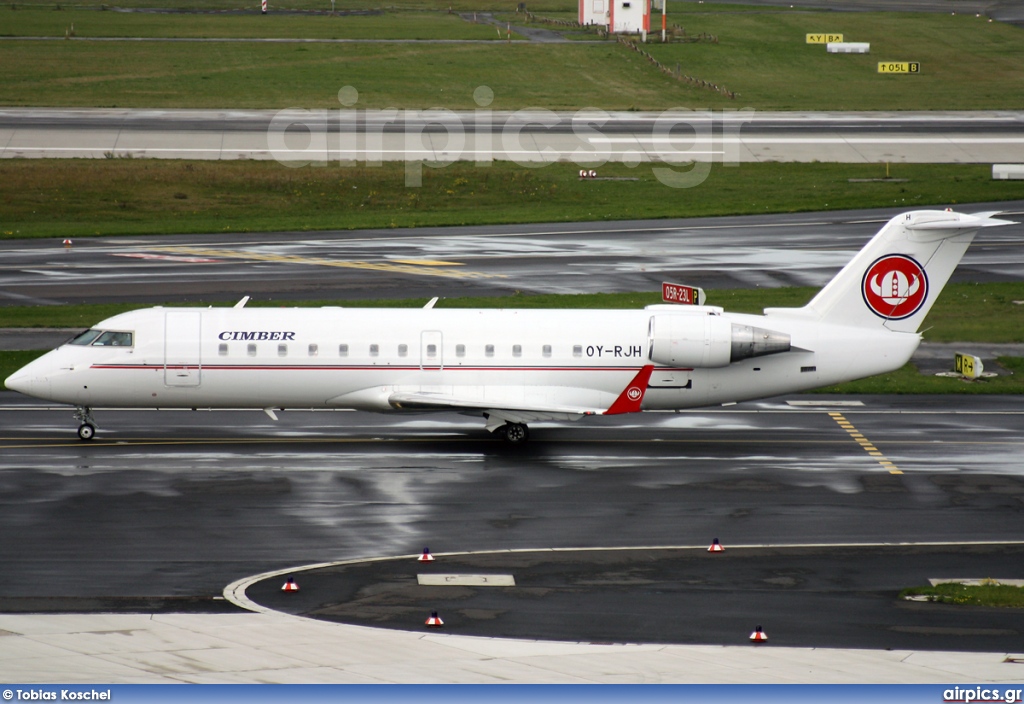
(514, 366)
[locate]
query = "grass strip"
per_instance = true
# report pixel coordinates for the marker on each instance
(994, 594)
(964, 312)
(88, 23)
(967, 63)
(88, 197)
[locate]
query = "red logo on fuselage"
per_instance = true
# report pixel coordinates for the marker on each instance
(895, 286)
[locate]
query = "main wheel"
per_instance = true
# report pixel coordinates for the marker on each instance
(515, 432)
(86, 431)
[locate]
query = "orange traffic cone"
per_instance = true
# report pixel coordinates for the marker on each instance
(758, 636)
(426, 556)
(290, 585)
(67, 243)
(434, 621)
(716, 546)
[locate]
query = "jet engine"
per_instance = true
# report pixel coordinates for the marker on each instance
(709, 341)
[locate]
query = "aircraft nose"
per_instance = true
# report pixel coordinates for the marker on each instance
(28, 383)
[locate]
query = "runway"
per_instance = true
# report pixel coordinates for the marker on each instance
(182, 502)
(800, 249)
(526, 136)
(165, 509)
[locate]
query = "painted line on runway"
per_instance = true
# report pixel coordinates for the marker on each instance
(864, 443)
(685, 412)
(459, 435)
(236, 591)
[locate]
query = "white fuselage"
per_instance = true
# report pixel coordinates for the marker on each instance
(359, 358)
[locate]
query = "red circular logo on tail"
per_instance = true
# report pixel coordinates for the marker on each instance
(895, 286)
(634, 393)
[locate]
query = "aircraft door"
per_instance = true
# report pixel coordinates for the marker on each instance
(431, 350)
(182, 362)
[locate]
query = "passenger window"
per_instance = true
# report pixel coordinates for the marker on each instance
(114, 339)
(374, 350)
(282, 350)
(460, 350)
(431, 350)
(489, 350)
(546, 350)
(577, 350)
(222, 349)
(517, 350)
(251, 350)
(403, 350)
(343, 350)
(314, 349)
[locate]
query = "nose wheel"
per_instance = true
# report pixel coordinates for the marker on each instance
(87, 429)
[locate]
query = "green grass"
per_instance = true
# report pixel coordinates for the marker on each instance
(390, 25)
(994, 317)
(765, 59)
(304, 5)
(909, 380)
(967, 63)
(78, 198)
(998, 595)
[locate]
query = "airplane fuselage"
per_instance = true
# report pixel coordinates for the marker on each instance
(359, 358)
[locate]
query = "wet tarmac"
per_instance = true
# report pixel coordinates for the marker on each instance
(846, 597)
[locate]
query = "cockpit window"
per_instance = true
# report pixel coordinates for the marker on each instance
(114, 339)
(85, 338)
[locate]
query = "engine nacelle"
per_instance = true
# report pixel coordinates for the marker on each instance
(697, 341)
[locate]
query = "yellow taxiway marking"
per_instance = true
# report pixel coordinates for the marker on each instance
(418, 268)
(865, 444)
(426, 262)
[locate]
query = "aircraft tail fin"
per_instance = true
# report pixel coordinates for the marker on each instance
(896, 278)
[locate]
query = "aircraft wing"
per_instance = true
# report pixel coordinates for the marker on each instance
(515, 405)
(430, 401)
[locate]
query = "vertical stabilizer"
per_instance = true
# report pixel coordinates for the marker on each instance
(896, 278)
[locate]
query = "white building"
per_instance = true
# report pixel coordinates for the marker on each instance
(627, 16)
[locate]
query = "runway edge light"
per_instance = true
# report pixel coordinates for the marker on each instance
(426, 556)
(290, 585)
(758, 636)
(434, 621)
(716, 546)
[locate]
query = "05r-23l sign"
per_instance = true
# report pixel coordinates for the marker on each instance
(899, 67)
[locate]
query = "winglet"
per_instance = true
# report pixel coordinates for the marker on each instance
(633, 395)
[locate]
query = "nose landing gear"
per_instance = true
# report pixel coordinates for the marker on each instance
(87, 429)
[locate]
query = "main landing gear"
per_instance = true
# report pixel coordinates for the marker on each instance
(87, 429)
(513, 432)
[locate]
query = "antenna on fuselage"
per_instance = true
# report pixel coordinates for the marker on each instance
(431, 302)
(241, 303)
